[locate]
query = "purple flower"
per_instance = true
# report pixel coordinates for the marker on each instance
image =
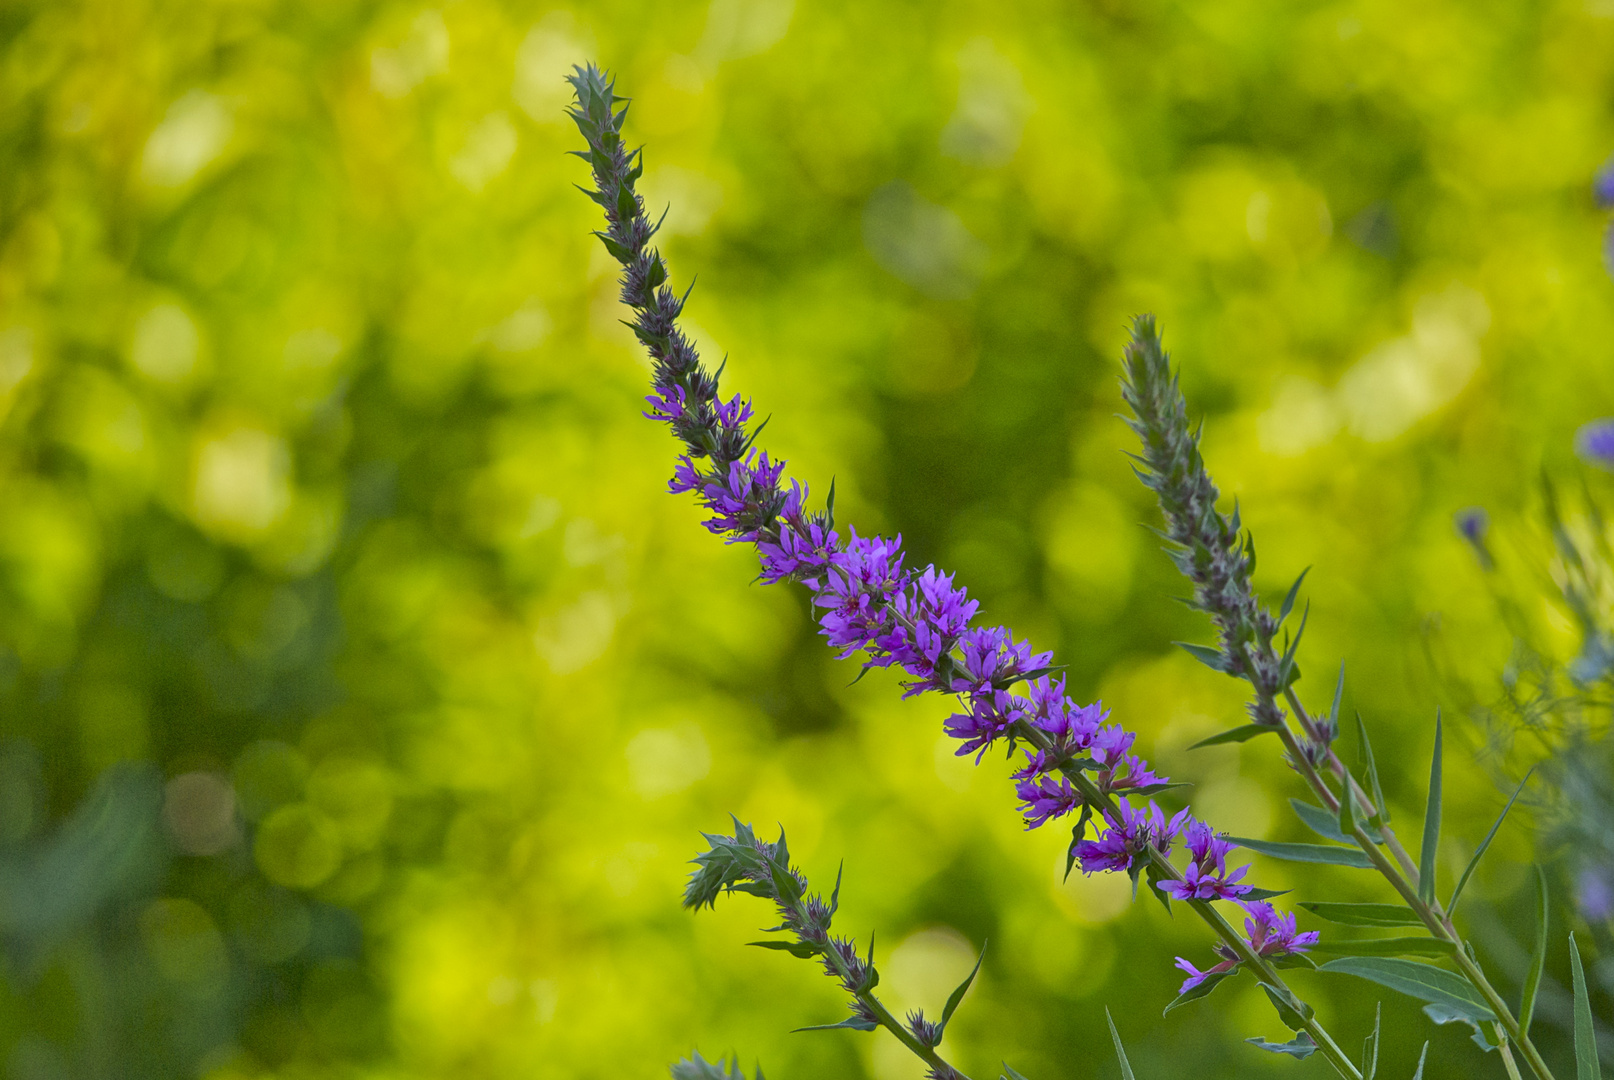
(733, 413)
(1072, 726)
(1593, 895)
(1472, 523)
(739, 499)
(992, 713)
(685, 477)
(1195, 976)
(803, 549)
(666, 404)
(1594, 442)
(1272, 934)
(1124, 841)
(993, 657)
(1206, 877)
(1603, 184)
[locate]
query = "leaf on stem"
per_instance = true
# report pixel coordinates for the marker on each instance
(1307, 853)
(1295, 1019)
(1366, 749)
(958, 995)
(1120, 1051)
(1323, 823)
(1538, 959)
(1442, 1014)
(1395, 946)
(1347, 809)
(1586, 1067)
(1333, 712)
(1302, 1046)
(1263, 894)
(1289, 601)
(1422, 981)
(1205, 654)
(1431, 826)
(1194, 993)
(1422, 1054)
(856, 1023)
(1451, 906)
(803, 949)
(1010, 1074)
(1362, 914)
(1239, 734)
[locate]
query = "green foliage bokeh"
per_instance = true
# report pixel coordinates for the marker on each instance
(362, 691)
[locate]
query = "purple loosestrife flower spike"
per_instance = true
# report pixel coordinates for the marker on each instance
(1205, 544)
(1594, 442)
(872, 603)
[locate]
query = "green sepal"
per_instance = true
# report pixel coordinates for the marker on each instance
(1235, 735)
(1306, 853)
(1362, 914)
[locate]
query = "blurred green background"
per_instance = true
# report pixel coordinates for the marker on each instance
(362, 691)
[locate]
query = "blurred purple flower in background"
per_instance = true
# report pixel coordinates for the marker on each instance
(1603, 184)
(1594, 442)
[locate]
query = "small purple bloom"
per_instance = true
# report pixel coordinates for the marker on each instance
(1272, 934)
(1195, 976)
(666, 404)
(733, 413)
(992, 713)
(1603, 184)
(1594, 442)
(1206, 877)
(1044, 798)
(1472, 523)
(1593, 895)
(1126, 840)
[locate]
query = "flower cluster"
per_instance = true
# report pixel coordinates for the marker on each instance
(871, 603)
(1267, 933)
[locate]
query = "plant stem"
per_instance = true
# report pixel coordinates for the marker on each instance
(925, 1053)
(1259, 966)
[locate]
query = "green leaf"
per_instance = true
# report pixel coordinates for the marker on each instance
(1395, 946)
(1301, 1047)
(1204, 989)
(803, 949)
(1205, 654)
(1289, 601)
(1362, 914)
(1586, 1067)
(1370, 1048)
(1443, 1014)
(1010, 1074)
(958, 995)
(1538, 959)
(1264, 894)
(1238, 734)
(1451, 906)
(1306, 853)
(1347, 809)
(1366, 749)
(1120, 1051)
(1422, 981)
(1339, 692)
(1295, 1019)
(1323, 823)
(856, 1023)
(1422, 1054)
(1290, 960)
(1431, 826)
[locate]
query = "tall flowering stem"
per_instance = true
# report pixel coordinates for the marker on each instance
(1212, 552)
(875, 606)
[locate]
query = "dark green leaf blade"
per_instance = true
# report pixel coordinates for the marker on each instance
(1233, 735)
(1202, 990)
(1120, 1051)
(1302, 1046)
(1422, 1054)
(1323, 823)
(856, 1023)
(1306, 853)
(1586, 1067)
(1538, 958)
(1010, 1074)
(1431, 826)
(1362, 914)
(1451, 906)
(1422, 981)
(1366, 748)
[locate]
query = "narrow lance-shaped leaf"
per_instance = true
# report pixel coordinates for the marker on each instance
(1285, 1004)
(856, 1023)
(1323, 823)
(1422, 1054)
(1204, 989)
(1396, 946)
(1366, 748)
(1347, 809)
(1451, 906)
(1242, 733)
(1586, 1067)
(1010, 1074)
(1422, 981)
(1363, 914)
(1294, 590)
(1306, 853)
(1431, 826)
(958, 994)
(1538, 958)
(1211, 658)
(1339, 692)
(1120, 1051)
(1302, 1046)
